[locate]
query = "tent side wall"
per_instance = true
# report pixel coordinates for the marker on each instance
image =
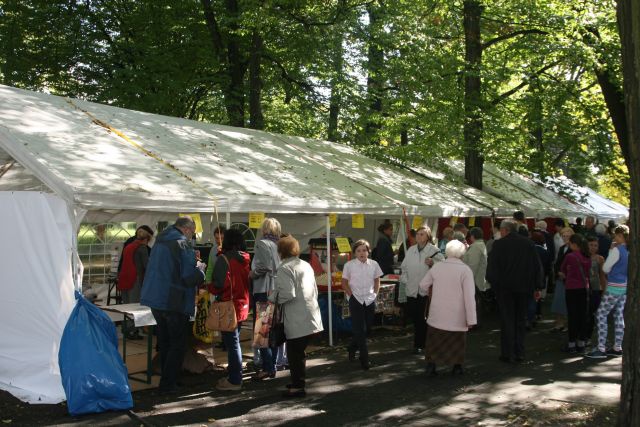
(35, 259)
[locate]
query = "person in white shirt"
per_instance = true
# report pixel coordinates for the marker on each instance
(417, 262)
(361, 283)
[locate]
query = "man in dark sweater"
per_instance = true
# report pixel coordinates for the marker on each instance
(513, 272)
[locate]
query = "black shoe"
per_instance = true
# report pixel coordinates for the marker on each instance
(352, 356)
(297, 393)
(430, 370)
(457, 370)
(365, 365)
(505, 359)
(417, 350)
(168, 390)
(134, 337)
(570, 350)
(579, 349)
(519, 359)
(614, 353)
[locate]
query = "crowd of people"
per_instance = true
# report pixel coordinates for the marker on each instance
(446, 285)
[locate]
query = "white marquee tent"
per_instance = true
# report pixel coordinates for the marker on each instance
(85, 161)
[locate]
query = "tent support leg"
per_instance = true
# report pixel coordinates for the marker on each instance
(329, 299)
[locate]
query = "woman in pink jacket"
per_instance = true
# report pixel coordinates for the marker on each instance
(452, 310)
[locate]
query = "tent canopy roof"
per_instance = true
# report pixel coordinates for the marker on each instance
(102, 157)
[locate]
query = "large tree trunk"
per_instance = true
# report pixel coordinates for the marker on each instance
(336, 89)
(228, 54)
(628, 12)
(375, 81)
(256, 119)
(473, 160)
(234, 97)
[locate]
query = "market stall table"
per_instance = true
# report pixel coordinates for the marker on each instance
(141, 316)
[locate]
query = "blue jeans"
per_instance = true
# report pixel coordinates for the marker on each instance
(172, 332)
(234, 355)
(266, 354)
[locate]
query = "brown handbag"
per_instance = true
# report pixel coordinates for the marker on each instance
(222, 314)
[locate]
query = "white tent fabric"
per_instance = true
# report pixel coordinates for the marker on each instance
(105, 158)
(37, 293)
(603, 208)
(528, 195)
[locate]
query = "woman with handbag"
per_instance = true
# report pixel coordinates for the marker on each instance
(263, 272)
(297, 294)
(231, 283)
(417, 262)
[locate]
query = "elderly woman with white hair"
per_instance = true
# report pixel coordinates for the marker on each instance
(452, 309)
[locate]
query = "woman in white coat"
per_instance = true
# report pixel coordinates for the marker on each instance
(297, 292)
(417, 262)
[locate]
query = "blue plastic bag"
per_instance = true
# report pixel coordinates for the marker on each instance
(94, 376)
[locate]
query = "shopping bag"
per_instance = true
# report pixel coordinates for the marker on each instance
(264, 317)
(200, 330)
(94, 376)
(276, 334)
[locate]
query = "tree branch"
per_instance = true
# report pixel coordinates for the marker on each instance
(285, 74)
(512, 35)
(524, 83)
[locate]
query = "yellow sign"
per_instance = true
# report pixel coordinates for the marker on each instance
(196, 218)
(333, 220)
(472, 221)
(256, 219)
(343, 245)
(454, 220)
(357, 221)
(417, 222)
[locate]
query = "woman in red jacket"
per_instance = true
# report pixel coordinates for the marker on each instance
(575, 272)
(231, 282)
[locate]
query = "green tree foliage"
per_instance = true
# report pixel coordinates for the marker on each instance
(391, 73)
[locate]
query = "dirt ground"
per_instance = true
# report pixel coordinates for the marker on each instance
(550, 389)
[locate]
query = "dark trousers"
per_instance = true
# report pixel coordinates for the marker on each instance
(577, 308)
(594, 303)
(267, 355)
(512, 307)
(415, 307)
(361, 323)
(297, 362)
(172, 331)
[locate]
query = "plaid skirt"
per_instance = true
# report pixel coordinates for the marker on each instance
(445, 347)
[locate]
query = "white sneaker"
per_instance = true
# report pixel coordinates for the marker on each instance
(225, 385)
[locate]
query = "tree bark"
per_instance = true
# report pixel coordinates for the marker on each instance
(375, 82)
(404, 137)
(535, 128)
(256, 118)
(473, 160)
(230, 58)
(628, 12)
(336, 89)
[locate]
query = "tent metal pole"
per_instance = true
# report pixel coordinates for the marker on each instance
(329, 299)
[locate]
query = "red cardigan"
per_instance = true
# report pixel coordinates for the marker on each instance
(239, 271)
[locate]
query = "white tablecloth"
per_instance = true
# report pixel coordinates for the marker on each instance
(141, 314)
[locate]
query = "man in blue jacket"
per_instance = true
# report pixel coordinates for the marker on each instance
(169, 288)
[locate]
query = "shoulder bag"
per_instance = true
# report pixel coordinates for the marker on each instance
(276, 334)
(222, 314)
